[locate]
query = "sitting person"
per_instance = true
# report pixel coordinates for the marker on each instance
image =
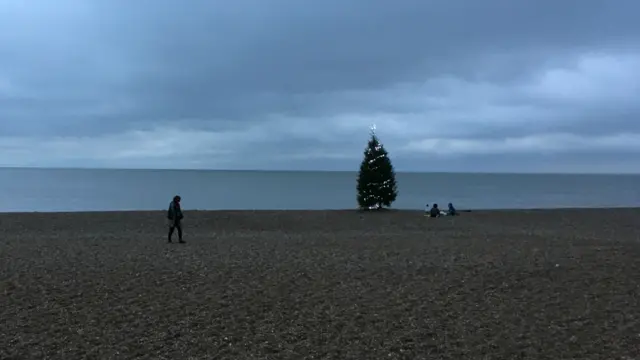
(434, 212)
(452, 211)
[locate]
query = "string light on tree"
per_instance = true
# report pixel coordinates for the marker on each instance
(372, 130)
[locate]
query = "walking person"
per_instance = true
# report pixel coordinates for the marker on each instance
(174, 216)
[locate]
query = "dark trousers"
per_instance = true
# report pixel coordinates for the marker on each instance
(175, 225)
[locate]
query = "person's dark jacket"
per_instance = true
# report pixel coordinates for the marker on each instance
(434, 212)
(175, 212)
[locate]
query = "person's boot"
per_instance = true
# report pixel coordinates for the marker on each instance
(181, 241)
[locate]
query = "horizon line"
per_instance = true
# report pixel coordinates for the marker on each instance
(316, 170)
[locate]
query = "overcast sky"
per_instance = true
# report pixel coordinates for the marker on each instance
(452, 85)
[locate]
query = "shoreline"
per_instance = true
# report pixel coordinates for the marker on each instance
(463, 211)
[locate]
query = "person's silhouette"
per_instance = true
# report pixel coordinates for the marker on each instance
(452, 211)
(434, 212)
(175, 216)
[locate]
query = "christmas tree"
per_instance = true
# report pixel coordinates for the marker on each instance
(377, 180)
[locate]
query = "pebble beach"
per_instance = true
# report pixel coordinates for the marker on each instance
(536, 284)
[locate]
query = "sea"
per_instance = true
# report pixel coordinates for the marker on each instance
(56, 190)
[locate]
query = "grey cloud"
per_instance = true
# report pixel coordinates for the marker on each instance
(441, 69)
(330, 48)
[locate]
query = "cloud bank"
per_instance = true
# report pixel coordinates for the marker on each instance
(452, 85)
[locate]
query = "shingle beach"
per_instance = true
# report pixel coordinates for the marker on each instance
(545, 284)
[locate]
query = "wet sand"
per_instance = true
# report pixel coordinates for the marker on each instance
(549, 284)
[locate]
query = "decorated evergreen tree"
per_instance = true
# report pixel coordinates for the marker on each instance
(377, 180)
